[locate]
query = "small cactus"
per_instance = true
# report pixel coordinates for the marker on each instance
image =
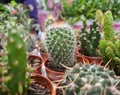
(90, 80)
(60, 44)
(99, 17)
(108, 24)
(109, 46)
(89, 39)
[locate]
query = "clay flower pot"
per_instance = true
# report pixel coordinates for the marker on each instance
(45, 82)
(34, 60)
(81, 59)
(44, 56)
(52, 75)
(91, 60)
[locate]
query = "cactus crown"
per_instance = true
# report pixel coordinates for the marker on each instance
(60, 44)
(90, 39)
(89, 80)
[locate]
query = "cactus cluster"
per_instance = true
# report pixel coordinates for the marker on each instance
(13, 81)
(109, 46)
(90, 80)
(89, 39)
(60, 44)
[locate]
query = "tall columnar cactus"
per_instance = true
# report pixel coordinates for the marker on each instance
(16, 61)
(89, 39)
(60, 44)
(109, 46)
(108, 24)
(90, 80)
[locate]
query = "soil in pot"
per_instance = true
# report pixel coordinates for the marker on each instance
(91, 59)
(35, 89)
(34, 61)
(51, 66)
(42, 86)
(59, 92)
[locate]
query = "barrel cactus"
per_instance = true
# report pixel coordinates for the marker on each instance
(110, 46)
(90, 80)
(60, 44)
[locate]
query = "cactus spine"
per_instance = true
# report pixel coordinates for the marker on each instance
(90, 80)
(60, 44)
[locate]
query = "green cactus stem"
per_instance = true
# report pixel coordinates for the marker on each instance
(90, 80)
(16, 62)
(89, 39)
(108, 24)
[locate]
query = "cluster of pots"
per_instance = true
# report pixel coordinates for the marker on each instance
(44, 75)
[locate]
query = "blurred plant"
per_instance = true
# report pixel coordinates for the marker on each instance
(25, 23)
(13, 75)
(87, 8)
(110, 46)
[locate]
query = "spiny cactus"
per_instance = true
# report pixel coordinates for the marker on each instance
(99, 17)
(108, 24)
(16, 62)
(90, 80)
(60, 44)
(109, 46)
(89, 39)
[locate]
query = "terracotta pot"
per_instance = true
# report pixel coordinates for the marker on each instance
(34, 60)
(81, 59)
(45, 82)
(92, 60)
(52, 75)
(44, 56)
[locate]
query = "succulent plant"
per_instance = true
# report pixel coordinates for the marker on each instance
(89, 39)
(109, 46)
(90, 80)
(16, 62)
(60, 44)
(99, 17)
(72, 12)
(24, 22)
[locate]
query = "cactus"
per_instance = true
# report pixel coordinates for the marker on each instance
(16, 61)
(89, 39)
(108, 24)
(90, 80)
(109, 46)
(60, 44)
(99, 17)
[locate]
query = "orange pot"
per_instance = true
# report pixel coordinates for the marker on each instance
(91, 60)
(52, 75)
(45, 82)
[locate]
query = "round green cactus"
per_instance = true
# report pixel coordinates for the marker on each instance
(60, 44)
(90, 80)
